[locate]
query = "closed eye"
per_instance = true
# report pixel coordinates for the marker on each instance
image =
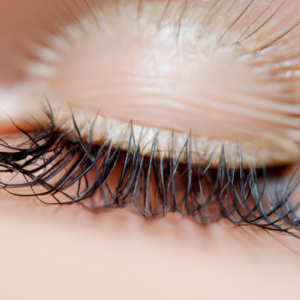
(67, 252)
(148, 159)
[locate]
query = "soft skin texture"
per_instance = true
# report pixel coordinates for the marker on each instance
(166, 67)
(69, 253)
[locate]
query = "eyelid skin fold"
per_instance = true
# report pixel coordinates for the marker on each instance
(180, 66)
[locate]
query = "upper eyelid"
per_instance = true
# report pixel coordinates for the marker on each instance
(259, 108)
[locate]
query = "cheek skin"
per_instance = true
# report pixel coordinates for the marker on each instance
(68, 253)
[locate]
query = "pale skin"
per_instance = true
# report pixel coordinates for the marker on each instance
(66, 252)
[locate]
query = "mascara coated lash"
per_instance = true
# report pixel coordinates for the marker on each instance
(61, 164)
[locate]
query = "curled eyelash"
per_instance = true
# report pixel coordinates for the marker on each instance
(71, 169)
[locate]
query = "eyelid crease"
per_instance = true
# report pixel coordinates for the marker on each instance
(61, 164)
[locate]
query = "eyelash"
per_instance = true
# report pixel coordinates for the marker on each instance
(209, 194)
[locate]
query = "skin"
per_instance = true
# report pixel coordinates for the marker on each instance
(69, 253)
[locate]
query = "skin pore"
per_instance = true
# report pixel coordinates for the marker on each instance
(68, 252)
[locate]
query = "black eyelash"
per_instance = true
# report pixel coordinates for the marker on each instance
(67, 167)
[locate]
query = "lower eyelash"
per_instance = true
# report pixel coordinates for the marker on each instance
(61, 162)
